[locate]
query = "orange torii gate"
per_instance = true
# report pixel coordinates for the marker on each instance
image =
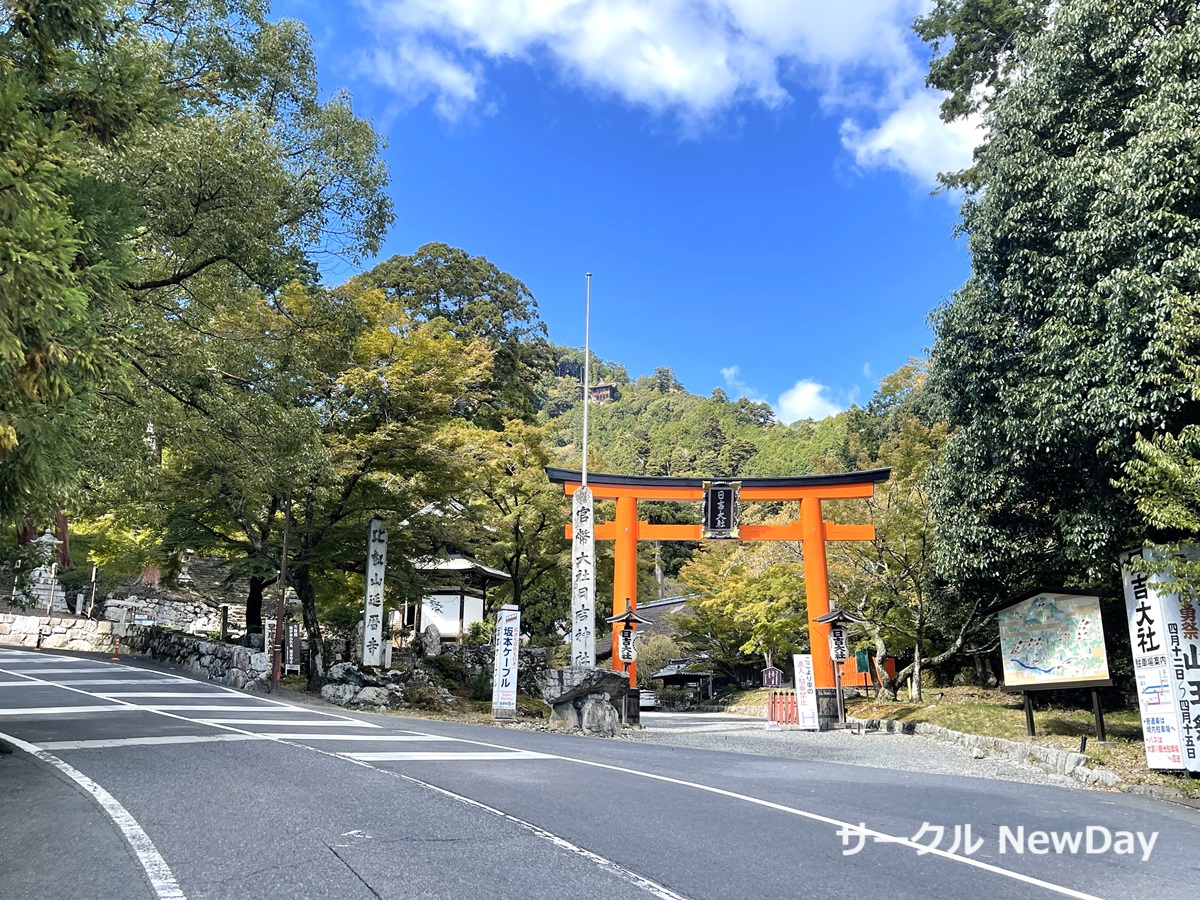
(810, 529)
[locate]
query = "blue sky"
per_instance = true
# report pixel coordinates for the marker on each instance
(748, 180)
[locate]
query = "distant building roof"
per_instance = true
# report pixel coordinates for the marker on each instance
(655, 611)
(677, 669)
(460, 563)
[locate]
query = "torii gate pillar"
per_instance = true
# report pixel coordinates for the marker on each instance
(625, 572)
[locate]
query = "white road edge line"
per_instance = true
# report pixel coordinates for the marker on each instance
(162, 879)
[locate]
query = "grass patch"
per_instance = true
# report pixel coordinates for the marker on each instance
(995, 713)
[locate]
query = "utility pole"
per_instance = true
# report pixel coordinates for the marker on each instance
(277, 653)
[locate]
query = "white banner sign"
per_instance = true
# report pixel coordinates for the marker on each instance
(372, 646)
(504, 673)
(1165, 641)
(583, 580)
(806, 691)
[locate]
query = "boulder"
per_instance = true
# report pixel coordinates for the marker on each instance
(338, 694)
(599, 717)
(567, 684)
(372, 696)
(431, 641)
(346, 673)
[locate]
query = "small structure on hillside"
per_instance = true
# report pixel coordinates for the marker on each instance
(456, 602)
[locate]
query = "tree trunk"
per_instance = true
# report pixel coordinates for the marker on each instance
(302, 581)
(886, 682)
(985, 675)
(914, 684)
(254, 603)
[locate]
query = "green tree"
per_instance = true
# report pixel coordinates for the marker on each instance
(187, 146)
(65, 225)
(521, 513)
(1076, 329)
(477, 301)
(746, 605)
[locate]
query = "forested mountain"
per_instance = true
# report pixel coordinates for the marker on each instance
(656, 427)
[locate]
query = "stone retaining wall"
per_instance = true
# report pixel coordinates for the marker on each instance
(229, 664)
(194, 616)
(58, 632)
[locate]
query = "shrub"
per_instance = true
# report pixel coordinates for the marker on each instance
(450, 671)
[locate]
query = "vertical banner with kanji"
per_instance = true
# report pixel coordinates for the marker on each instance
(583, 580)
(372, 648)
(1166, 644)
(504, 673)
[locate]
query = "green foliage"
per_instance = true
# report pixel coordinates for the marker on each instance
(1076, 330)
(479, 634)
(451, 672)
(980, 39)
(476, 302)
(481, 685)
(165, 162)
(1165, 480)
(655, 652)
(745, 606)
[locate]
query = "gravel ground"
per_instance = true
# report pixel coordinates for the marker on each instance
(910, 753)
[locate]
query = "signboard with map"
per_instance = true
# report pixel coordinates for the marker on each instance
(1052, 639)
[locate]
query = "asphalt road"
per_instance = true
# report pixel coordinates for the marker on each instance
(129, 782)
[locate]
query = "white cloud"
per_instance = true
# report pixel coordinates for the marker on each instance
(735, 387)
(416, 71)
(866, 370)
(806, 400)
(913, 139)
(693, 59)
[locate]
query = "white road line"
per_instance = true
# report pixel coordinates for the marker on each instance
(150, 741)
(124, 694)
(38, 673)
(166, 707)
(93, 682)
(445, 756)
(601, 862)
(856, 828)
(399, 738)
(162, 879)
(35, 659)
(60, 710)
(345, 723)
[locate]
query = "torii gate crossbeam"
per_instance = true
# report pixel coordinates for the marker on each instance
(809, 529)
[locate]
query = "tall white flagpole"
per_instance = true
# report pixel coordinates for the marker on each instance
(583, 540)
(587, 371)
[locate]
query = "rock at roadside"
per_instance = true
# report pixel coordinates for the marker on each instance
(346, 673)
(373, 696)
(599, 717)
(584, 699)
(338, 694)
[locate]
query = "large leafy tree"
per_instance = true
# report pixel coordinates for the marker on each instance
(520, 513)
(1075, 331)
(171, 158)
(65, 225)
(476, 301)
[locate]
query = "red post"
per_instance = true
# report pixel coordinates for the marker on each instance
(816, 588)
